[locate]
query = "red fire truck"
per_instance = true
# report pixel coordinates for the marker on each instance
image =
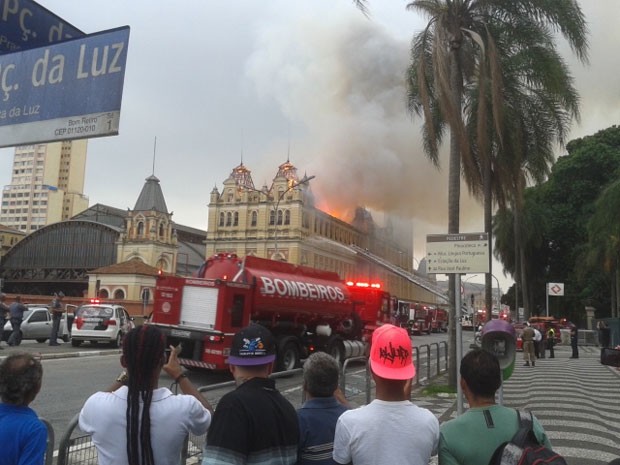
(439, 320)
(420, 319)
(306, 309)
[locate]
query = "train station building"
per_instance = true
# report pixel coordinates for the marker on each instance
(116, 254)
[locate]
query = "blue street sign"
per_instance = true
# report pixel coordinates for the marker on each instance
(67, 90)
(25, 24)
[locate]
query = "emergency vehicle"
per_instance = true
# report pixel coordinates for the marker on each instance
(306, 310)
(439, 320)
(420, 319)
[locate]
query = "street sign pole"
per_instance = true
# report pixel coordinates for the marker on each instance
(459, 342)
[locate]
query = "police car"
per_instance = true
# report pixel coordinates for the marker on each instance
(97, 322)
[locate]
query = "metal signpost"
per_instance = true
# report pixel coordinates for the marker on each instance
(25, 24)
(67, 90)
(457, 254)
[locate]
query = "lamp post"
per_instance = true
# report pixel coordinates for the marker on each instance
(498, 289)
(294, 184)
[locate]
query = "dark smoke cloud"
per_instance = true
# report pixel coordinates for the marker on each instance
(343, 81)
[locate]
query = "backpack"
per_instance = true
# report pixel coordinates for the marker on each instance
(524, 449)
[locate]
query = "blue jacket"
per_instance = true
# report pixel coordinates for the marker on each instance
(317, 426)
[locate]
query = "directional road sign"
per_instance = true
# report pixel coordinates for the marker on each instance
(25, 24)
(68, 90)
(457, 253)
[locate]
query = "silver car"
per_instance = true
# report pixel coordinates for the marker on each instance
(37, 325)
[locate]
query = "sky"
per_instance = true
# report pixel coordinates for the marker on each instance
(217, 82)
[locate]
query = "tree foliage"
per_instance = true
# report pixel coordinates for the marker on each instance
(572, 225)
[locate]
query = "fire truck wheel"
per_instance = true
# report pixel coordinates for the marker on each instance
(336, 350)
(288, 358)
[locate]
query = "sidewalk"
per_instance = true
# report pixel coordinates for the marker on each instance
(575, 400)
(64, 350)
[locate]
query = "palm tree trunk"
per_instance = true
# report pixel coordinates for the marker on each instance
(617, 299)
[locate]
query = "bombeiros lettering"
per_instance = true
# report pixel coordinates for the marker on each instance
(290, 288)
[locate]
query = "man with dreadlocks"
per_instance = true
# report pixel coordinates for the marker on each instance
(135, 422)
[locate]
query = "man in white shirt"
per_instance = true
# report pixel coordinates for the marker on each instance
(391, 430)
(537, 342)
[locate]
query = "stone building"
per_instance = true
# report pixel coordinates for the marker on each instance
(281, 222)
(96, 253)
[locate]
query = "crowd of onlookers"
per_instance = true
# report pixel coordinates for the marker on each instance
(134, 421)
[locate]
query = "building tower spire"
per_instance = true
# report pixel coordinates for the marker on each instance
(154, 153)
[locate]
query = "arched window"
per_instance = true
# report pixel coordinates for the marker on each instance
(140, 229)
(161, 230)
(222, 218)
(272, 217)
(236, 219)
(228, 219)
(103, 294)
(279, 217)
(254, 219)
(287, 217)
(119, 294)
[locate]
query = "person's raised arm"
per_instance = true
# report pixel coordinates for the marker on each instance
(174, 369)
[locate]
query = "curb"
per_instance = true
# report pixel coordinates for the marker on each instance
(61, 355)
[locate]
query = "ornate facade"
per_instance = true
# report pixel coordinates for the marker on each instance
(281, 222)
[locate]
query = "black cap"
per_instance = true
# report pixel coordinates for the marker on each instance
(253, 345)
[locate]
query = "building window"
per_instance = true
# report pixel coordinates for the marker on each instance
(279, 217)
(254, 219)
(287, 217)
(222, 218)
(229, 219)
(236, 219)
(119, 294)
(140, 229)
(161, 230)
(272, 217)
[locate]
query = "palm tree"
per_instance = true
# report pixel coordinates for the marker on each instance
(539, 103)
(456, 50)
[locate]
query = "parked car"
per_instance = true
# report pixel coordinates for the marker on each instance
(100, 323)
(37, 325)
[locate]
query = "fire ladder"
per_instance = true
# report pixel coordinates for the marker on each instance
(416, 279)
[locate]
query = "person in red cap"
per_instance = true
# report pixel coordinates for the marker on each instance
(391, 429)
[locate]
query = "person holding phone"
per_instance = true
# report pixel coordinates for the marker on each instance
(135, 421)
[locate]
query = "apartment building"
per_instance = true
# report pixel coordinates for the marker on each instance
(47, 185)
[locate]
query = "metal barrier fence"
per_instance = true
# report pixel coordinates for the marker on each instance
(427, 348)
(76, 447)
(49, 450)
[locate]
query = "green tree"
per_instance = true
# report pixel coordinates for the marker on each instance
(569, 235)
